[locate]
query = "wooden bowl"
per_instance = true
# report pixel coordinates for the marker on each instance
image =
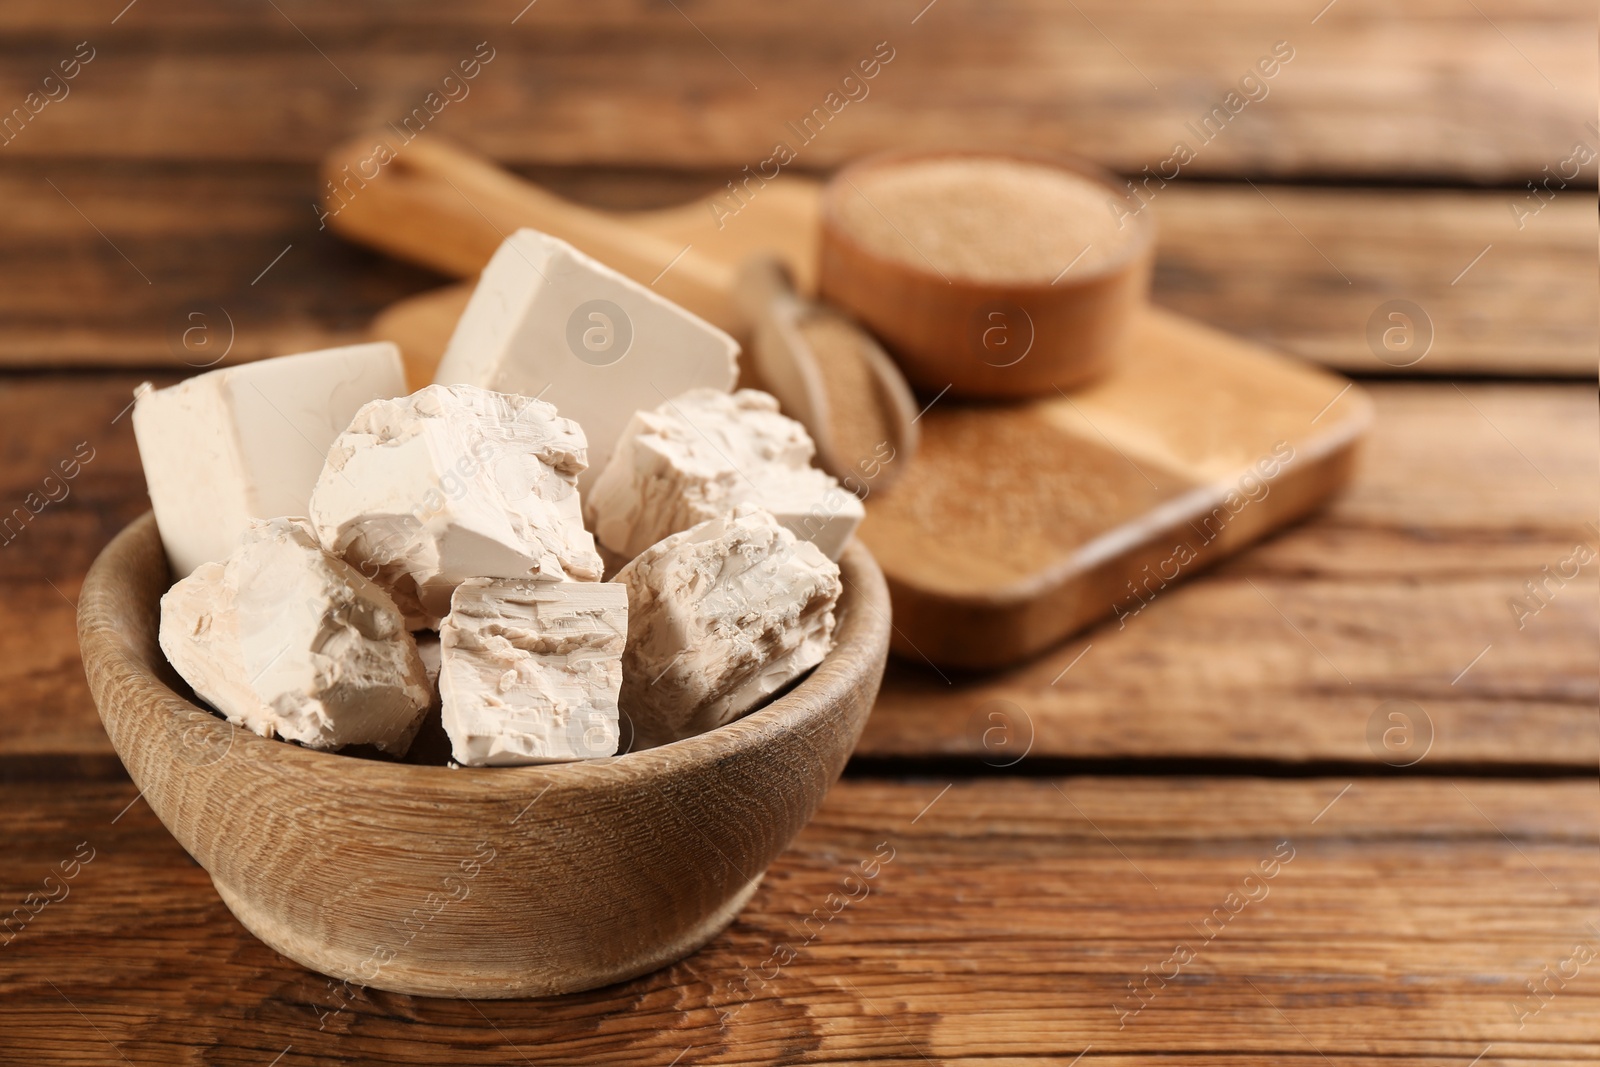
(492, 882)
(986, 339)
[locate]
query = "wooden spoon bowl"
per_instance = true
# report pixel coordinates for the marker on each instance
(496, 882)
(977, 338)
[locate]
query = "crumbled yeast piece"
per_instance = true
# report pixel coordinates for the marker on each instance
(703, 453)
(531, 670)
(720, 617)
(455, 482)
(284, 639)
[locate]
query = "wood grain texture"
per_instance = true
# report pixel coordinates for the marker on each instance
(421, 326)
(1013, 915)
(1401, 583)
(585, 873)
(988, 562)
(1225, 255)
(975, 584)
(447, 208)
(911, 923)
(1307, 270)
(1018, 524)
(1290, 652)
(1489, 91)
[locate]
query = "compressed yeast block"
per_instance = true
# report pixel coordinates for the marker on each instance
(284, 639)
(720, 617)
(532, 670)
(703, 453)
(247, 442)
(546, 320)
(455, 482)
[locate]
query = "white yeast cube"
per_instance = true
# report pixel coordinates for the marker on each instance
(450, 483)
(720, 617)
(284, 639)
(703, 453)
(532, 670)
(248, 442)
(548, 321)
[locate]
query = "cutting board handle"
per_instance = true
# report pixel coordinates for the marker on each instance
(435, 203)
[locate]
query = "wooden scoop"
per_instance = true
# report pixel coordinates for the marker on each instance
(441, 206)
(828, 372)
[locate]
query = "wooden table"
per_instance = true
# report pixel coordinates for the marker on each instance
(1082, 845)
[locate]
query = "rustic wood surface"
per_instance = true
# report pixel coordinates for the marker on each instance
(988, 563)
(1487, 91)
(1018, 524)
(1288, 651)
(203, 236)
(1389, 161)
(1400, 583)
(1005, 919)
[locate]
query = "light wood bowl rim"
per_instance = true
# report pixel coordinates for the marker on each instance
(1126, 258)
(118, 674)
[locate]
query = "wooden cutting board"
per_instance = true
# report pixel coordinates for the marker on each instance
(1020, 523)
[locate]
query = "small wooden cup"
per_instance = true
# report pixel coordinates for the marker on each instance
(985, 339)
(491, 882)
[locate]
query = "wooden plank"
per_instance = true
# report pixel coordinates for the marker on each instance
(1294, 650)
(1264, 267)
(112, 265)
(1400, 584)
(1006, 918)
(1311, 271)
(1017, 526)
(1486, 92)
(203, 237)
